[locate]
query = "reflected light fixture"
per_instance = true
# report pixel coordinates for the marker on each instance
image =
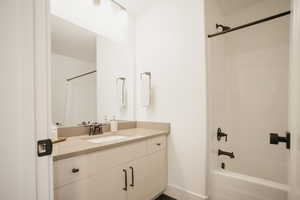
(97, 2)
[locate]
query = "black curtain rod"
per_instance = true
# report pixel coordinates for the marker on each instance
(250, 24)
(81, 75)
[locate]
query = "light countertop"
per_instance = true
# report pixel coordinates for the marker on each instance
(75, 146)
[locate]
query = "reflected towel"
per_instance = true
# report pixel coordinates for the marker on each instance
(145, 90)
(121, 93)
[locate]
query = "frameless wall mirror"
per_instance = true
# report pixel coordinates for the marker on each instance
(74, 73)
(92, 76)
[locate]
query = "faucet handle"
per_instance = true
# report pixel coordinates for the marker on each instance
(221, 134)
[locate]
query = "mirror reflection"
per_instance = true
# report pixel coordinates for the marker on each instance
(74, 77)
(92, 76)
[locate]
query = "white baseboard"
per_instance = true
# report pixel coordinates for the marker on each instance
(182, 194)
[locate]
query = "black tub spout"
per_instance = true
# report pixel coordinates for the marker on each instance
(229, 154)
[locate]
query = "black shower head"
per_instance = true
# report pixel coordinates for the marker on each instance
(221, 28)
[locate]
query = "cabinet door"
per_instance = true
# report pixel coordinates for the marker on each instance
(74, 191)
(138, 179)
(149, 175)
(156, 173)
(109, 185)
(105, 185)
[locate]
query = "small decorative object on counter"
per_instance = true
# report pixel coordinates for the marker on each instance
(106, 121)
(114, 124)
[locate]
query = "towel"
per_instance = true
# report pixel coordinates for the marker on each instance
(145, 90)
(121, 93)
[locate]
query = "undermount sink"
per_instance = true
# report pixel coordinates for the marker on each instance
(106, 139)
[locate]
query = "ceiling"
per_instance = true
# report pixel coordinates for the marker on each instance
(138, 6)
(71, 40)
(228, 6)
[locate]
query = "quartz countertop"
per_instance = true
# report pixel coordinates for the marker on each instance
(79, 145)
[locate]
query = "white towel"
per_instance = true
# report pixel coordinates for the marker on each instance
(68, 103)
(145, 90)
(121, 93)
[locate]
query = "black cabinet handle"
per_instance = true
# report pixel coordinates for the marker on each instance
(75, 170)
(158, 144)
(125, 173)
(132, 176)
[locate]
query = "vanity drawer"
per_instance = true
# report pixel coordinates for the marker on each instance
(113, 157)
(156, 144)
(69, 170)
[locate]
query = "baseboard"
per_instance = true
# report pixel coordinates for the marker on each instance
(183, 194)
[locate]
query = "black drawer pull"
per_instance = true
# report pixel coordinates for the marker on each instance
(132, 176)
(125, 173)
(158, 144)
(75, 170)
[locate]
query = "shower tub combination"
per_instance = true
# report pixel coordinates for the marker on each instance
(229, 185)
(248, 59)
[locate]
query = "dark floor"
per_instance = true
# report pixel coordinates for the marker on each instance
(165, 197)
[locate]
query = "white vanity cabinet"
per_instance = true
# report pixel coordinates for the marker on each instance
(149, 176)
(135, 171)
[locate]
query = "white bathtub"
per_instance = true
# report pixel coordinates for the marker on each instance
(226, 185)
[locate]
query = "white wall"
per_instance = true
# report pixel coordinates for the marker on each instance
(115, 60)
(83, 90)
(170, 43)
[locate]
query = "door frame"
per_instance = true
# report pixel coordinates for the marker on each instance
(42, 91)
(294, 101)
(31, 38)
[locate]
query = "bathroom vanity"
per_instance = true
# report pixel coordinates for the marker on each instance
(130, 164)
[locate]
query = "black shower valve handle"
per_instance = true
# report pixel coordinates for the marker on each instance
(221, 134)
(276, 139)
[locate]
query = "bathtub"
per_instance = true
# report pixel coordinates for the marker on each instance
(226, 185)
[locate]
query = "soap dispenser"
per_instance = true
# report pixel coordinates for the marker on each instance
(114, 124)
